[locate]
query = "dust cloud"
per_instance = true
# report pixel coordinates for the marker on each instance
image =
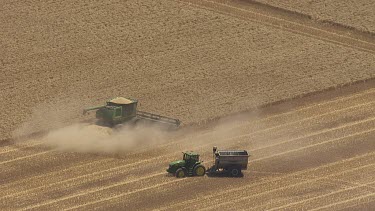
(49, 115)
(99, 139)
(223, 132)
(91, 138)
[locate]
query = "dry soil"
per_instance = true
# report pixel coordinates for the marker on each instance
(313, 153)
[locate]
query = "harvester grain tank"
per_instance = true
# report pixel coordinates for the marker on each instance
(188, 166)
(232, 161)
(121, 110)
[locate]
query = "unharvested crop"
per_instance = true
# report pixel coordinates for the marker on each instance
(179, 60)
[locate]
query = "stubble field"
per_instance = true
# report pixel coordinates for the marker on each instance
(193, 60)
(313, 153)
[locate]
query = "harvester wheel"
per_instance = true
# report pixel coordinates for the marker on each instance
(235, 172)
(199, 170)
(135, 122)
(180, 173)
(119, 126)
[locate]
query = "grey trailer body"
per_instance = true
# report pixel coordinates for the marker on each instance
(233, 161)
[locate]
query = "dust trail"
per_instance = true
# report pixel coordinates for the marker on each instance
(49, 115)
(100, 139)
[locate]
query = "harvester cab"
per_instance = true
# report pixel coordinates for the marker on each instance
(189, 166)
(116, 110)
(120, 110)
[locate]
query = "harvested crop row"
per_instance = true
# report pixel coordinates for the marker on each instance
(296, 154)
(352, 13)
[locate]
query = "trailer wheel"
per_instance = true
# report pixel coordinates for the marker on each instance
(199, 170)
(180, 173)
(235, 172)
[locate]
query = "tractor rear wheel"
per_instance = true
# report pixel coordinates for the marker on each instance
(180, 173)
(199, 170)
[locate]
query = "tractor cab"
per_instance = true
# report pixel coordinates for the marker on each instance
(191, 156)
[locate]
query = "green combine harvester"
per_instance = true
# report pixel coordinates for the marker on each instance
(120, 110)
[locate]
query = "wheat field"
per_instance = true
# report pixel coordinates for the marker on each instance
(296, 93)
(178, 59)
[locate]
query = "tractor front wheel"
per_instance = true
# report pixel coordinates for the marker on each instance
(180, 173)
(199, 170)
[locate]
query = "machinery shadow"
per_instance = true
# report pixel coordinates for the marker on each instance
(223, 174)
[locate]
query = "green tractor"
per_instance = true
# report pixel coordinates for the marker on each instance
(188, 166)
(121, 110)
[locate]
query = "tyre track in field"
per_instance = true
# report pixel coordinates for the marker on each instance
(125, 194)
(93, 176)
(36, 182)
(246, 135)
(311, 132)
(319, 108)
(82, 176)
(57, 181)
(290, 184)
(193, 137)
(353, 182)
(16, 147)
(98, 176)
(371, 197)
(358, 98)
(342, 128)
(331, 141)
(92, 202)
(92, 190)
(356, 163)
(312, 138)
(120, 166)
(226, 192)
(249, 195)
(289, 124)
(307, 30)
(302, 202)
(315, 108)
(312, 190)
